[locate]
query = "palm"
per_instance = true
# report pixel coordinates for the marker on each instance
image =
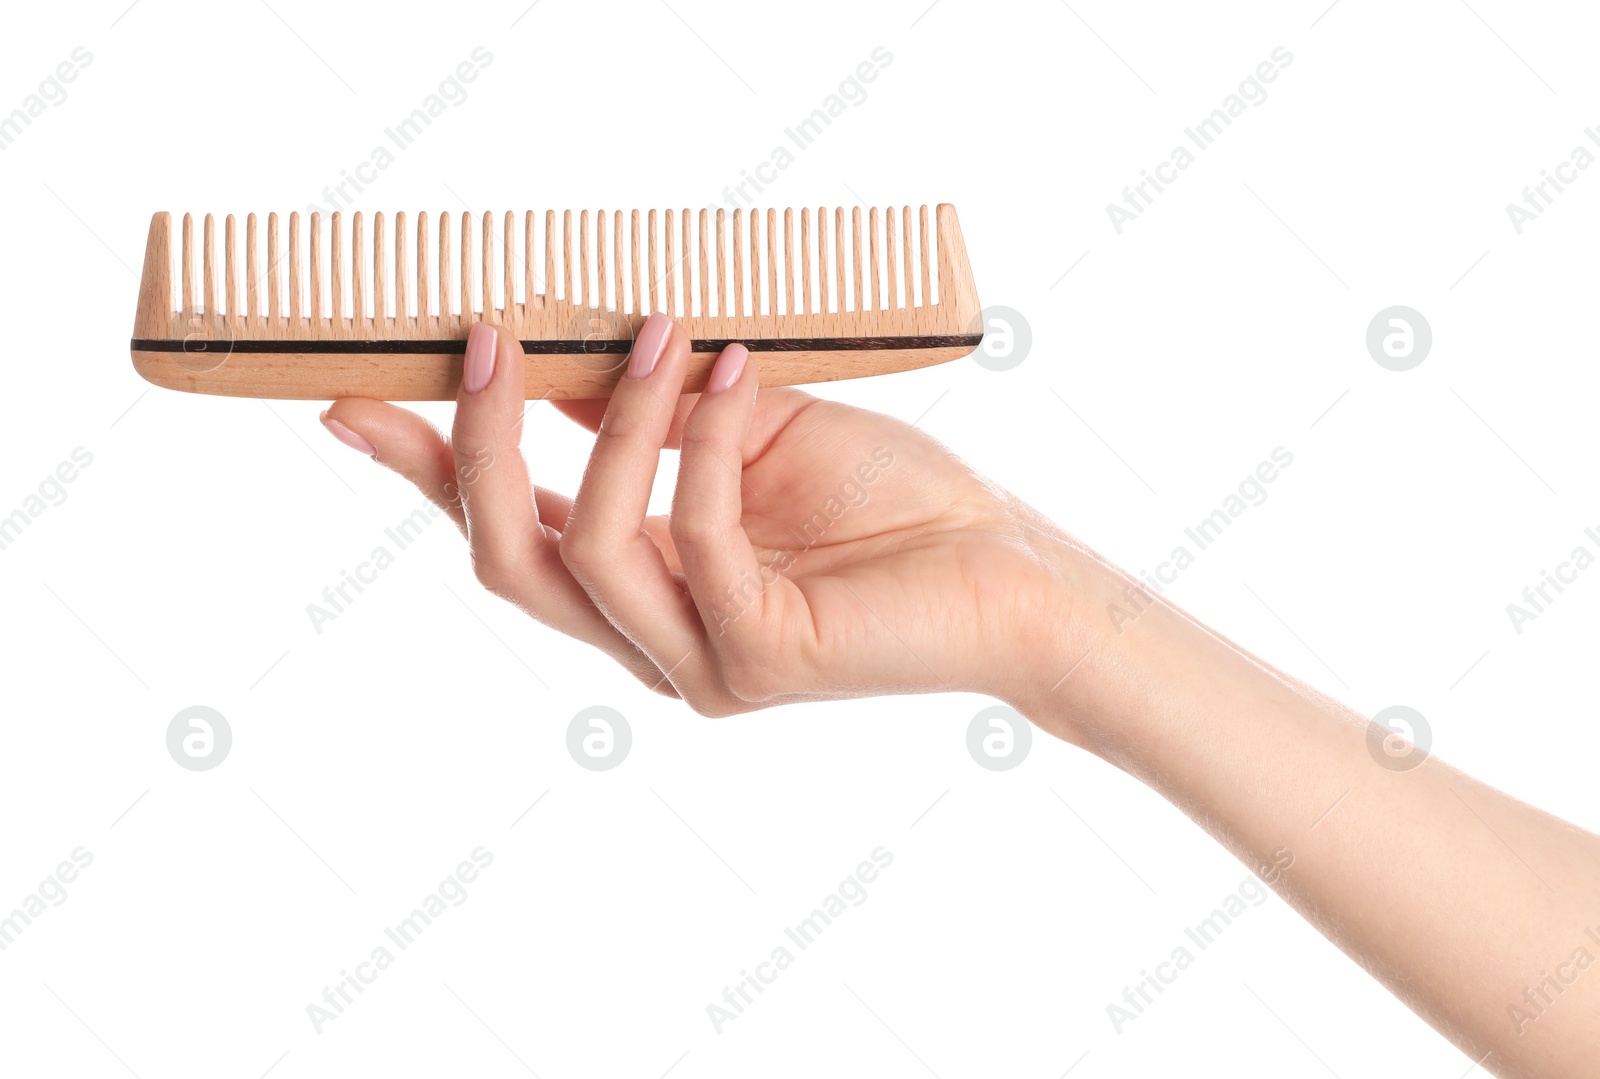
(889, 542)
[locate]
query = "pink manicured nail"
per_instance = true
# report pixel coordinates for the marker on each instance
(649, 345)
(479, 366)
(347, 436)
(729, 366)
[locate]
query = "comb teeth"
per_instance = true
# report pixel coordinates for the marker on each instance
(776, 275)
(746, 275)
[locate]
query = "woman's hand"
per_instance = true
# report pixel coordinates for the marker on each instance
(813, 550)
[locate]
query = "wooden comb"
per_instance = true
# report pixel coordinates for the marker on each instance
(811, 306)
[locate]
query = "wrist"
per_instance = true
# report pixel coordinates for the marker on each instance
(1117, 670)
(1107, 655)
(1065, 633)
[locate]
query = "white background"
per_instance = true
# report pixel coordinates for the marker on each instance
(370, 759)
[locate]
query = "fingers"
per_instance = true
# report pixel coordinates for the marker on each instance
(587, 413)
(402, 440)
(605, 544)
(514, 554)
(405, 442)
(480, 478)
(775, 407)
(491, 477)
(721, 568)
(598, 575)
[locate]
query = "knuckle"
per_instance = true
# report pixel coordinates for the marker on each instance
(716, 706)
(585, 554)
(619, 424)
(691, 529)
(492, 575)
(577, 550)
(702, 437)
(650, 676)
(750, 682)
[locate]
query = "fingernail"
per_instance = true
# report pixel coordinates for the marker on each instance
(649, 345)
(729, 366)
(479, 366)
(347, 436)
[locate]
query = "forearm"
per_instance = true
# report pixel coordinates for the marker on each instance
(1470, 906)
